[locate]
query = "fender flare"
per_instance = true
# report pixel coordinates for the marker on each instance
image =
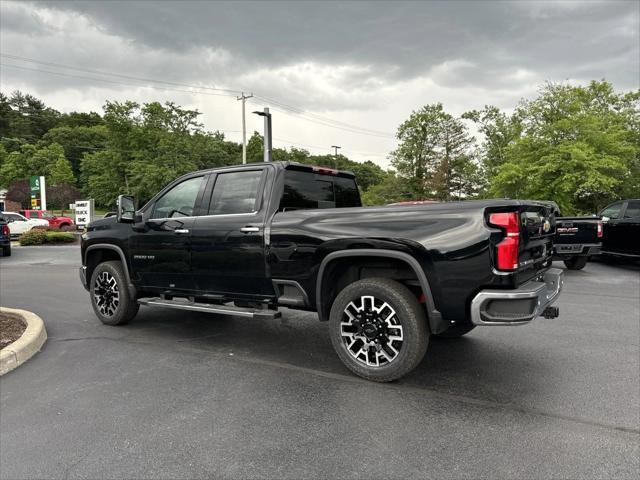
(434, 316)
(123, 259)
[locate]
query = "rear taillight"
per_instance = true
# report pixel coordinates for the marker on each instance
(507, 249)
(5, 230)
(600, 233)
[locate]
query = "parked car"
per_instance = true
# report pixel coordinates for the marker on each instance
(622, 228)
(248, 239)
(55, 222)
(18, 224)
(577, 239)
(5, 237)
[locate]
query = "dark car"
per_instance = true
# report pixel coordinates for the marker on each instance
(5, 237)
(249, 239)
(621, 222)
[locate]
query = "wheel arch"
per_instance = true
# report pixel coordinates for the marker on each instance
(323, 305)
(104, 252)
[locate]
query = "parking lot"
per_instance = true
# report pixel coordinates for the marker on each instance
(192, 395)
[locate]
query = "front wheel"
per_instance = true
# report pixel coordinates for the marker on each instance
(576, 263)
(378, 329)
(110, 296)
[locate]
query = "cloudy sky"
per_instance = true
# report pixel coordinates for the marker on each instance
(333, 73)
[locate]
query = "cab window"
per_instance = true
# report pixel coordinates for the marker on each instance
(235, 192)
(633, 209)
(612, 211)
(180, 201)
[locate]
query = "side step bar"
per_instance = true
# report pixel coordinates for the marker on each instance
(185, 304)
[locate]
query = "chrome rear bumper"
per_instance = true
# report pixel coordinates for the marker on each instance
(517, 306)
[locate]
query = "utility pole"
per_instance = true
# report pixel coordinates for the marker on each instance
(244, 97)
(268, 139)
(335, 155)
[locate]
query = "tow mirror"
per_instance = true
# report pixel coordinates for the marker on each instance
(126, 209)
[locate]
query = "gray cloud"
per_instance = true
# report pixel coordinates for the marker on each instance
(396, 39)
(368, 63)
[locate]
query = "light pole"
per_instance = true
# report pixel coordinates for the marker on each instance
(268, 141)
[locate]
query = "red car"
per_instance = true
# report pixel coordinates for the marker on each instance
(58, 223)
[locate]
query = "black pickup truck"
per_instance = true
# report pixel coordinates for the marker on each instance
(577, 238)
(249, 239)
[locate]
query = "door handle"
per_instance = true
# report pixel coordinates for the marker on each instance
(250, 229)
(181, 231)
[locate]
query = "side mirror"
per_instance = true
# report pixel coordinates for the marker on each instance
(126, 209)
(605, 219)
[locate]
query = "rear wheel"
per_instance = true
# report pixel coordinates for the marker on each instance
(378, 329)
(576, 263)
(6, 251)
(110, 296)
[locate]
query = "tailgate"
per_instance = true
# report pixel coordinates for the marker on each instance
(537, 228)
(576, 231)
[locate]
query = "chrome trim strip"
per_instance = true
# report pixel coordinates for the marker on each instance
(546, 293)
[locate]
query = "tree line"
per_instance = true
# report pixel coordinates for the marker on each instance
(577, 145)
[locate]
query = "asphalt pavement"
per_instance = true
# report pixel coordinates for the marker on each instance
(189, 395)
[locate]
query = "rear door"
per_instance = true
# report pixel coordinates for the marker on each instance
(629, 229)
(228, 241)
(612, 240)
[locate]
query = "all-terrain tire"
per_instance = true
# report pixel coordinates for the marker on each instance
(408, 313)
(110, 297)
(456, 331)
(576, 263)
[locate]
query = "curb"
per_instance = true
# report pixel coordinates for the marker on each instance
(27, 345)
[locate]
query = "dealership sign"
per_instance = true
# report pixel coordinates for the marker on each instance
(84, 212)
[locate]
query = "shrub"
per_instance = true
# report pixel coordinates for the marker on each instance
(41, 236)
(53, 236)
(33, 237)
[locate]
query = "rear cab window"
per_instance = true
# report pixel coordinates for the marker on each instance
(307, 188)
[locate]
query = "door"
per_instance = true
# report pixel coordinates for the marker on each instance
(228, 244)
(629, 229)
(611, 240)
(161, 247)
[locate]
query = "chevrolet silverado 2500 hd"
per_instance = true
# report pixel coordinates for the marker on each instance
(246, 240)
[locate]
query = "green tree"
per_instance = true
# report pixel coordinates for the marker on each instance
(434, 154)
(390, 190)
(578, 146)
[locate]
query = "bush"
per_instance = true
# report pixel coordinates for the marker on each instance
(40, 237)
(60, 237)
(33, 237)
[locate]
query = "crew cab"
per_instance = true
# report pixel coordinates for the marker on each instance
(247, 240)
(55, 222)
(577, 238)
(622, 228)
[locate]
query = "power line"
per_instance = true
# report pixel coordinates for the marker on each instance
(111, 74)
(276, 104)
(64, 74)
